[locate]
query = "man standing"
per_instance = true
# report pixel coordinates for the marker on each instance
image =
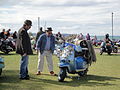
(23, 47)
(88, 36)
(2, 34)
(45, 46)
(39, 33)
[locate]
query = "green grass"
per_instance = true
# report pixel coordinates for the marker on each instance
(102, 75)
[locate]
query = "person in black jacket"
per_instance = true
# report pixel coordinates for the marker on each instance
(39, 33)
(14, 35)
(2, 34)
(23, 47)
(7, 33)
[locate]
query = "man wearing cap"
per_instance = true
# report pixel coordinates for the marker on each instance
(23, 47)
(45, 45)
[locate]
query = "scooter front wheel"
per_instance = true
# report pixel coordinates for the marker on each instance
(62, 74)
(109, 53)
(0, 71)
(101, 52)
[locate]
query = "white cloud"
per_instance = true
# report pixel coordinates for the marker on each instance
(63, 15)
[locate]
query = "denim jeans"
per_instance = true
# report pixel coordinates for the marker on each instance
(24, 67)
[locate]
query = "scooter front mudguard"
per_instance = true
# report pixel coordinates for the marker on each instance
(61, 65)
(69, 67)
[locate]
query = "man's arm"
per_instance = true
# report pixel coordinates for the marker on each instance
(39, 41)
(24, 43)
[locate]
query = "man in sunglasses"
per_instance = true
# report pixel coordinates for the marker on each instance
(45, 46)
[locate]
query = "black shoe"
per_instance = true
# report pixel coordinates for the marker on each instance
(26, 78)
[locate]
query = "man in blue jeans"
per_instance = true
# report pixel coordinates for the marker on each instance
(23, 47)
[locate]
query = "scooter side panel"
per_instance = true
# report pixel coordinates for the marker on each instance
(80, 63)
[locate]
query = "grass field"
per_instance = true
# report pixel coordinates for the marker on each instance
(102, 75)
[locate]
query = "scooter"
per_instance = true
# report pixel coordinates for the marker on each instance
(74, 60)
(5, 46)
(106, 47)
(2, 65)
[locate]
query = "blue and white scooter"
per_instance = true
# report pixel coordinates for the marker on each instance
(73, 61)
(2, 65)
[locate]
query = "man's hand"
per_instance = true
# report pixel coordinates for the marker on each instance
(24, 54)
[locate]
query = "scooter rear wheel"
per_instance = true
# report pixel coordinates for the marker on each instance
(115, 50)
(62, 74)
(83, 73)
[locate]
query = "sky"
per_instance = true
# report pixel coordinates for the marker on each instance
(65, 16)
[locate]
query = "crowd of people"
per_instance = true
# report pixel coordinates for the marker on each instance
(7, 41)
(6, 34)
(44, 44)
(87, 37)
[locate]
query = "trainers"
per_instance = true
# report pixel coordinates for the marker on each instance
(38, 73)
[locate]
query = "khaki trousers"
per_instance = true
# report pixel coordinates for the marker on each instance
(48, 56)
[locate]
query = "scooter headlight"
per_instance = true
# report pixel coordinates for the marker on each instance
(62, 61)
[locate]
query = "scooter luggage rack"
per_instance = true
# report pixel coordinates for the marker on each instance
(84, 48)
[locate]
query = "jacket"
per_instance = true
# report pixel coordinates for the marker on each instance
(23, 44)
(41, 43)
(91, 52)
